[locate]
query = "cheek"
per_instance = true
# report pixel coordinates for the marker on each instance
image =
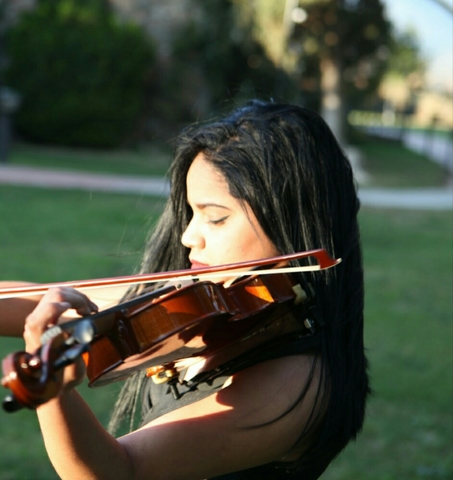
(231, 246)
(251, 244)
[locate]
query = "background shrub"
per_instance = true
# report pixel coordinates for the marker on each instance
(81, 74)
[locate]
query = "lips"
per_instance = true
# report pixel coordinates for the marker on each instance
(196, 265)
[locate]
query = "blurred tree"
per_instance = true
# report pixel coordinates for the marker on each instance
(217, 60)
(405, 59)
(337, 49)
(80, 73)
(405, 75)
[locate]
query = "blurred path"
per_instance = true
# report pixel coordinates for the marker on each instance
(420, 199)
(40, 177)
(414, 198)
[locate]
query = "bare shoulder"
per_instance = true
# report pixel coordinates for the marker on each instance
(248, 423)
(270, 388)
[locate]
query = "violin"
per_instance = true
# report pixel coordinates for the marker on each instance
(155, 330)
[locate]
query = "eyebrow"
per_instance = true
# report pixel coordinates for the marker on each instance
(202, 206)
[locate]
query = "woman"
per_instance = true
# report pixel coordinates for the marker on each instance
(269, 179)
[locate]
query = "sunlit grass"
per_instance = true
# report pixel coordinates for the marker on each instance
(56, 235)
(409, 336)
(53, 235)
(389, 164)
(145, 160)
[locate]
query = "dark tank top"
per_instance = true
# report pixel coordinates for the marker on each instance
(159, 399)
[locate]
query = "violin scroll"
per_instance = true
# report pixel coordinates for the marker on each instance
(30, 379)
(36, 378)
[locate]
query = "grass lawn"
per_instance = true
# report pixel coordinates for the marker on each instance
(53, 235)
(408, 433)
(389, 164)
(151, 160)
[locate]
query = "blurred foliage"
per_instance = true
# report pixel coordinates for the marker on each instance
(356, 35)
(405, 58)
(406, 65)
(88, 78)
(216, 61)
(81, 74)
(336, 53)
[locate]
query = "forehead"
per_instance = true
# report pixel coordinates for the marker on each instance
(203, 178)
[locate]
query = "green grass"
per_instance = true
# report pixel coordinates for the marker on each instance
(389, 164)
(151, 160)
(409, 332)
(53, 235)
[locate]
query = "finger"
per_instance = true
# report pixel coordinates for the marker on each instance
(77, 300)
(48, 311)
(45, 315)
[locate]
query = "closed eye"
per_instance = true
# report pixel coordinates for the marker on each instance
(218, 221)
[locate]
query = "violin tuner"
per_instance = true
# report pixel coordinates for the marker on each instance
(162, 373)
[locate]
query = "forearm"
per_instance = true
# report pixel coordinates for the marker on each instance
(78, 445)
(14, 311)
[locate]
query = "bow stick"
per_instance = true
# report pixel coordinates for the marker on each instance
(322, 257)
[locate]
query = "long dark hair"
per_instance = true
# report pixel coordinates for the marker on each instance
(284, 162)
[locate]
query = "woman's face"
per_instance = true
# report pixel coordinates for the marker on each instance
(222, 229)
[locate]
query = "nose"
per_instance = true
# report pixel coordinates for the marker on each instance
(191, 237)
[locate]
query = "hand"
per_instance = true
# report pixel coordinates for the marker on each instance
(47, 313)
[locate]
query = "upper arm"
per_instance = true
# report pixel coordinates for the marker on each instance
(242, 426)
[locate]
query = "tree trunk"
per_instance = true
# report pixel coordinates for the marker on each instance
(331, 99)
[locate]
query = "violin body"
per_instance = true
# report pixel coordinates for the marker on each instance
(157, 334)
(194, 321)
